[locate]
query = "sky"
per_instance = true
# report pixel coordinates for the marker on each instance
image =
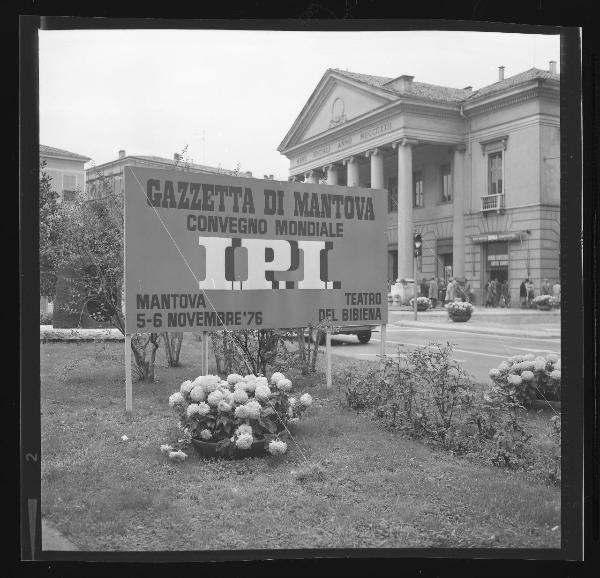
(232, 95)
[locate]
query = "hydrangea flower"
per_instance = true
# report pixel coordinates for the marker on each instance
(555, 374)
(192, 409)
(241, 412)
(166, 448)
(234, 378)
(250, 386)
(223, 385)
(223, 406)
(250, 377)
(503, 366)
(262, 392)
(306, 399)
(197, 393)
(244, 441)
(253, 409)
(515, 379)
(494, 372)
(557, 365)
(292, 401)
(176, 399)
(261, 381)
(276, 377)
(552, 357)
(284, 385)
(186, 387)
(244, 429)
(539, 364)
(178, 456)
(277, 447)
(214, 398)
(527, 375)
(240, 396)
(203, 409)
(205, 434)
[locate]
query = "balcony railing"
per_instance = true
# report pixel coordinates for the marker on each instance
(492, 203)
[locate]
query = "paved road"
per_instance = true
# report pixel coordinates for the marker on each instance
(477, 352)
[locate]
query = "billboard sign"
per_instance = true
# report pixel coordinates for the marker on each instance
(203, 251)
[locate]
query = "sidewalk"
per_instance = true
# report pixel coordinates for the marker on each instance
(52, 539)
(509, 322)
(48, 333)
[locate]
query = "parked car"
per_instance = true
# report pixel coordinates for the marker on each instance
(363, 332)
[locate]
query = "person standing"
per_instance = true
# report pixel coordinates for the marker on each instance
(467, 291)
(450, 291)
(523, 293)
(441, 291)
(556, 293)
(506, 293)
(530, 293)
(424, 287)
(545, 288)
(433, 292)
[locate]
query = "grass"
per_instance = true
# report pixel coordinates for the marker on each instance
(359, 486)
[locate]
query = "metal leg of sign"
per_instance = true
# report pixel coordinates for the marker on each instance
(205, 352)
(128, 382)
(382, 342)
(328, 355)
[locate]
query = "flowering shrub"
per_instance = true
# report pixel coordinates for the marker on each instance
(423, 303)
(459, 308)
(238, 412)
(545, 301)
(525, 378)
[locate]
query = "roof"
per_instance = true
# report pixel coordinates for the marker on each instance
(528, 75)
(419, 89)
(54, 152)
(445, 93)
(182, 163)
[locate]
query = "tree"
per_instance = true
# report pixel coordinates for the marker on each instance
(86, 236)
(50, 216)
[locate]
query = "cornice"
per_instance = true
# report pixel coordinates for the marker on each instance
(504, 102)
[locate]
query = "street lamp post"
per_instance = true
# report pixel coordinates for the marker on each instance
(418, 243)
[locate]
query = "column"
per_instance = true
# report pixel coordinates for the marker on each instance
(376, 168)
(332, 174)
(405, 208)
(311, 177)
(458, 221)
(352, 171)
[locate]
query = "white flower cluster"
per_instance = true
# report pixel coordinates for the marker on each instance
(208, 402)
(459, 307)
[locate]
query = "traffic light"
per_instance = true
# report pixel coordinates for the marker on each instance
(418, 243)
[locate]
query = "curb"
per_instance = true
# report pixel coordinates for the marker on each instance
(481, 330)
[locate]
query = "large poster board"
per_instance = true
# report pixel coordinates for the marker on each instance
(204, 251)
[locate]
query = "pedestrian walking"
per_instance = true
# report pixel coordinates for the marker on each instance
(545, 288)
(424, 287)
(433, 292)
(523, 293)
(494, 292)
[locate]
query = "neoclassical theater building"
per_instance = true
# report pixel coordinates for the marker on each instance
(475, 172)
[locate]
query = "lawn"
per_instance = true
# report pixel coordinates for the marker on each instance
(349, 484)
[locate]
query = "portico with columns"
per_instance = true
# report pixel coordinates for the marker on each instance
(422, 146)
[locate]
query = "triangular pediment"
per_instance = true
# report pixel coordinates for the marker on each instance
(335, 101)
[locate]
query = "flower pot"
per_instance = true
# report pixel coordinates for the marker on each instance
(459, 318)
(544, 307)
(207, 449)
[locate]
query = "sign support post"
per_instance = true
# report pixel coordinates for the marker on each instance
(128, 381)
(382, 342)
(204, 353)
(328, 355)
